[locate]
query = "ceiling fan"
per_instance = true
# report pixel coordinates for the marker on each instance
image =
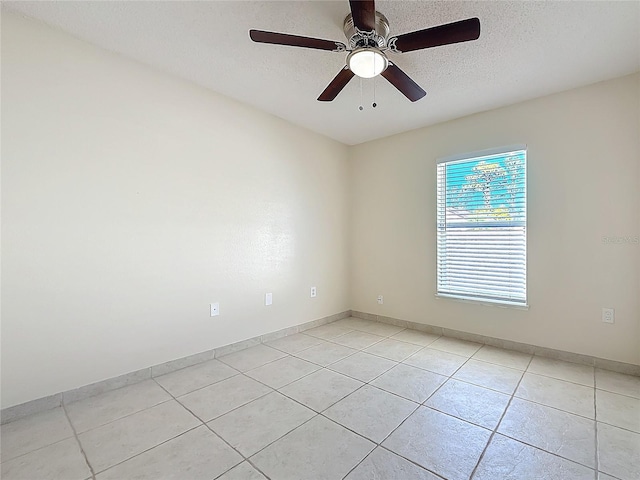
(367, 33)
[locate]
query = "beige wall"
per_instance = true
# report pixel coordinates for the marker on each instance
(583, 184)
(131, 200)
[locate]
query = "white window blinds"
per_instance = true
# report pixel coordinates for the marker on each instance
(482, 227)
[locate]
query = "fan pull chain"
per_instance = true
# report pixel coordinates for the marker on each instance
(374, 104)
(360, 107)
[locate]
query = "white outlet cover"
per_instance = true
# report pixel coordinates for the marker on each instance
(268, 299)
(380, 299)
(314, 292)
(215, 309)
(608, 315)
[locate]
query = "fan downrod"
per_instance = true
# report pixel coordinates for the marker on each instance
(375, 38)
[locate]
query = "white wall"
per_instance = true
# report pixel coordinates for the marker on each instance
(583, 184)
(131, 200)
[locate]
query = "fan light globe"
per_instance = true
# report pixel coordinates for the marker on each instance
(367, 62)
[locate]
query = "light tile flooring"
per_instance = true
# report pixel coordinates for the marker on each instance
(353, 400)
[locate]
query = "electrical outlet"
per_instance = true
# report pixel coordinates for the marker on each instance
(313, 292)
(268, 299)
(380, 299)
(215, 309)
(608, 315)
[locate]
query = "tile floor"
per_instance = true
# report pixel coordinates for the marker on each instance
(353, 400)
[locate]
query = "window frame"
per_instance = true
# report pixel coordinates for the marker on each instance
(477, 155)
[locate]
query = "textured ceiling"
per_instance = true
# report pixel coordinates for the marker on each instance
(526, 49)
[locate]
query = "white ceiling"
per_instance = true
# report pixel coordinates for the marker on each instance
(526, 49)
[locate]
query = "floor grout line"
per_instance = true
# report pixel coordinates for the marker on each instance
(298, 351)
(244, 458)
(545, 451)
(379, 444)
(495, 430)
(542, 404)
(331, 363)
(559, 379)
(272, 390)
(413, 462)
(35, 449)
(148, 449)
(618, 393)
(600, 422)
(200, 388)
(129, 415)
(253, 368)
(358, 464)
(75, 434)
(419, 404)
(124, 416)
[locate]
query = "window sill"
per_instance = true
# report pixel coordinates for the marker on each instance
(486, 303)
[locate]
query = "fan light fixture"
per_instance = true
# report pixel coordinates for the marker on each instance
(367, 62)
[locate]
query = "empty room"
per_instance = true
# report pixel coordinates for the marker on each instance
(320, 240)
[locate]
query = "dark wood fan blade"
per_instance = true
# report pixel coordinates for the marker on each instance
(261, 36)
(364, 14)
(336, 85)
(455, 32)
(403, 82)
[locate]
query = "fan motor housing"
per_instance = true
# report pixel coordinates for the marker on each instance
(376, 38)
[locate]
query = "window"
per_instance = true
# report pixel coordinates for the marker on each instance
(482, 227)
